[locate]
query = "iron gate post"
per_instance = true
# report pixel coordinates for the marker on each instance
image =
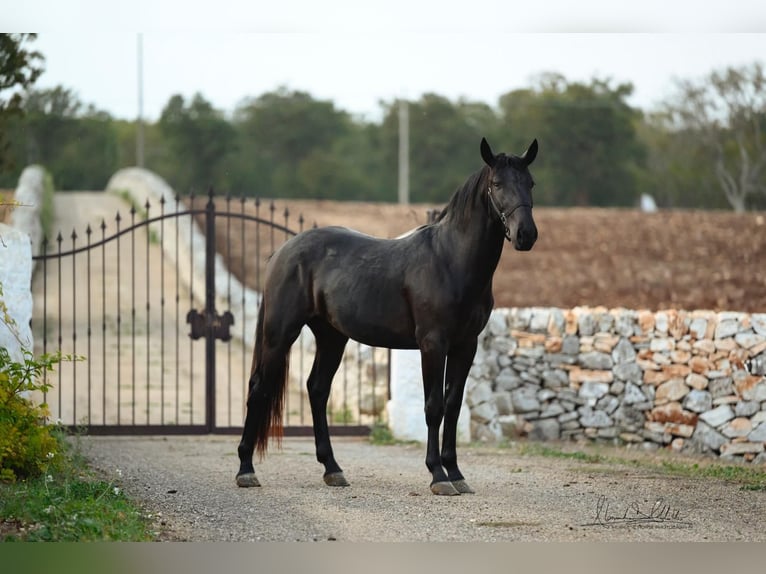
(210, 313)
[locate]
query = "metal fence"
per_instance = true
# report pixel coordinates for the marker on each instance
(166, 340)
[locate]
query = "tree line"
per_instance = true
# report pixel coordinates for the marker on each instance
(702, 148)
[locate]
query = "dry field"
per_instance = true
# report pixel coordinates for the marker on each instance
(584, 256)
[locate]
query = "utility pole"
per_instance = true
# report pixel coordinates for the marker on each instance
(140, 121)
(404, 152)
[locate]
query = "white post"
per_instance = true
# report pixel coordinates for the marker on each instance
(404, 152)
(16, 278)
(406, 418)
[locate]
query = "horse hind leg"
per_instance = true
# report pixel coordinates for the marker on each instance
(264, 399)
(267, 386)
(330, 345)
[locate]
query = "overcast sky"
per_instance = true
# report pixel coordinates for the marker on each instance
(357, 53)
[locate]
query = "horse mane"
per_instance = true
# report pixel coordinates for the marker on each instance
(459, 207)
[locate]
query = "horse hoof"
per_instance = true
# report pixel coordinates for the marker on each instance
(247, 480)
(444, 489)
(335, 479)
(462, 487)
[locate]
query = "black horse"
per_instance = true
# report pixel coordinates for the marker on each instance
(429, 290)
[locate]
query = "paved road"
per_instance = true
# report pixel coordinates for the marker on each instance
(187, 483)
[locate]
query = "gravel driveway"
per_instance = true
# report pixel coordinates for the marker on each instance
(187, 485)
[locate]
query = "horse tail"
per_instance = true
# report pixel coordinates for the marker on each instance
(268, 378)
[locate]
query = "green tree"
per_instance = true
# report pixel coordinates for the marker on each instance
(723, 117)
(292, 145)
(678, 173)
(76, 143)
(590, 150)
(198, 139)
(19, 69)
(444, 145)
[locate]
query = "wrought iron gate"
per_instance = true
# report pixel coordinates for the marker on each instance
(167, 338)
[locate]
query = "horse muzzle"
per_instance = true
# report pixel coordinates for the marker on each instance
(525, 237)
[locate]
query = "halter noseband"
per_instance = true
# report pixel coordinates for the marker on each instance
(503, 217)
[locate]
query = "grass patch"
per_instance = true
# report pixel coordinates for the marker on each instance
(380, 434)
(141, 212)
(538, 449)
(344, 416)
(749, 477)
(70, 504)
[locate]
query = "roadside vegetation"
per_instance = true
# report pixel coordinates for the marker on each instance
(47, 491)
(752, 477)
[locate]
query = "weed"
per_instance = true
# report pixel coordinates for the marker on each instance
(380, 434)
(69, 504)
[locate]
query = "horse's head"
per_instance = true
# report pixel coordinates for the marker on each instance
(509, 192)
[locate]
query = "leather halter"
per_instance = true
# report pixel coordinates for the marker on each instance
(503, 217)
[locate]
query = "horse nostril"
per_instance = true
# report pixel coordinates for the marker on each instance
(525, 239)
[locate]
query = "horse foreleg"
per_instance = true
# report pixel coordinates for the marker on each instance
(433, 361)
(329, 352)
(459, 364)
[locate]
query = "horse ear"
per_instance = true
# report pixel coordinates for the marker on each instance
(486, 153)
(531, 153)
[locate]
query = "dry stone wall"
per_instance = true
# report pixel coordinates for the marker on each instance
(674, 379)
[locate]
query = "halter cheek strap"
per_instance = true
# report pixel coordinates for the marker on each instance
(503, 217)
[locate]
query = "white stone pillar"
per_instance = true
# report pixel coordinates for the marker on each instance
(16, 277)
(406, 418)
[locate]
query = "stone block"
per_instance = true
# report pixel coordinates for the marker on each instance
(673, 413)
(578, 375)
(672, 390)
(662, 345)
(481, 393)
(593, 390)
(737, 427)
(623, 352)
(726, 328)
(758, 434)
(718, 416)
(511, 426)
(706, 439)
(608, 404)
(749, 340)
(545, 430)
(698, 327)
(758, 323)
(595, 360)
(741, 448)
(696, 381)
(570, 345)
(484, 412)
(633, 394)
(503, 403)
(590, 418)
(746, 408)
(698, 401)
(525, 400)
(704, 346)
(538, 323)
(685, 431)
(720, 387)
